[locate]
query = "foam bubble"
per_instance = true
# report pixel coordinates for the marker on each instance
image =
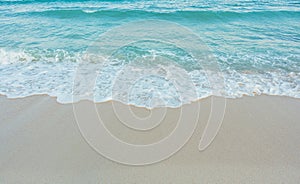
(28, 73)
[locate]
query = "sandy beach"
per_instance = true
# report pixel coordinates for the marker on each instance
(259, 142)
(150, 92)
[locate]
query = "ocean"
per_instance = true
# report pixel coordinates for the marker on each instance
(256, 44)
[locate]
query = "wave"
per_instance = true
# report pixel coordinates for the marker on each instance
(7, 2)
(191, 15)
(56, 80)
(38, 55)
(53, 72)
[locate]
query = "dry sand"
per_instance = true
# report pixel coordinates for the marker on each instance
(259, 142)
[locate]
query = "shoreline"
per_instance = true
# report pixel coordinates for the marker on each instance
(258, 142)
(149, 108)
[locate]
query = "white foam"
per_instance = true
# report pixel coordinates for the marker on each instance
(24, 73)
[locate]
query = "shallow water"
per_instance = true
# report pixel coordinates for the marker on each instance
(256, 45)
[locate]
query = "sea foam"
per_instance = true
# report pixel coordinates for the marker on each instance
(22, 74)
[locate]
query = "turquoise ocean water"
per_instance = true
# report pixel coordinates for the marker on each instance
(255, 42)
